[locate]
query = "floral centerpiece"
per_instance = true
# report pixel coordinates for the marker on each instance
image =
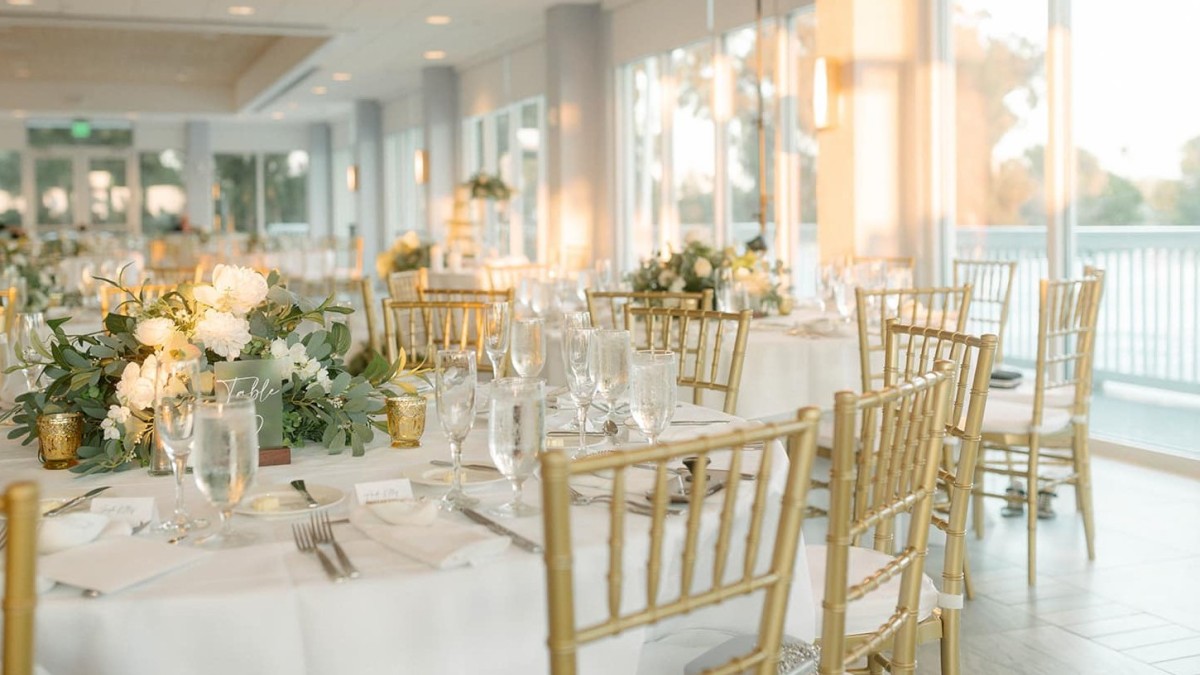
(406, 253)
(109, 377)
(25, 269)
(692, 269)
(486, 186)
(756, 279)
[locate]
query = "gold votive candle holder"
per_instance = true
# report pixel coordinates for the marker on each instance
(59, 438)
(406, 420)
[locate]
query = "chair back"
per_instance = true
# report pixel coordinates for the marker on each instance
(991, 290)
(1067, 316)
(507, 277)
(20, 505)
(895, 472)
(9, 308)
(764, 565)
(699, 339)
(944, 308)
(464, 295)
(888, 263)
(407, 285)
(422, 328)
(367, 289)
(608, 307)
(111, 297)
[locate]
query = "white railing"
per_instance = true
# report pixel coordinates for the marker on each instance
(1149, 326)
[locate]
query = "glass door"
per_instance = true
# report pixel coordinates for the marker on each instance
(54, 185)
(108, 191)
(84, 188)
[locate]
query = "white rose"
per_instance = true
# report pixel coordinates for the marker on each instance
(666, 277)
(224, 333)
(154, 332)
(136, 388)
(279, 349)
(234, 289)
(702, 267)
(207, 295)
(410, 240)
(677, 285)
(308, 369)
(114, 422)
(323, 380)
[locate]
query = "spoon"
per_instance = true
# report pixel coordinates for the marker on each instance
(299, 485)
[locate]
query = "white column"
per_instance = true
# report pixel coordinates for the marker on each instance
(439, 100)
(1060, 146)
(199, 173)
(368, 157)
(320, 179)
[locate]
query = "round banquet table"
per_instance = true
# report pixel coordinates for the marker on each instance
(266, 608)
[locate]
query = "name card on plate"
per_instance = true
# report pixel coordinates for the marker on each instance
(383, 490)
(261, 380)
(132, 510)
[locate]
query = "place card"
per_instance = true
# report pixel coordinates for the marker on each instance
(383, 490)
(132, 510)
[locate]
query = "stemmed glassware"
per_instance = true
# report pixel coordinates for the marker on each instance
(175, 423)
(32, 334)
(613, 349)
(528, 347)
(516, 435)
(653, 390)
(455, 379)
(579, 351)
(497, 319)
(226, 439)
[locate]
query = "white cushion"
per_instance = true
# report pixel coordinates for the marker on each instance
(865, 615)
(1016, 417)
(1058, 397)
(698, 649)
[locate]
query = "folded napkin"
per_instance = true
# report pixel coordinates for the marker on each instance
(420, 512)
(441, 544)
(76, 529)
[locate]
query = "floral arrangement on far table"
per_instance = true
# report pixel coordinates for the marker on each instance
(692, 269)
(759, 277)
(486, 186)
(406, 253)
(22, 265)
(109, 377)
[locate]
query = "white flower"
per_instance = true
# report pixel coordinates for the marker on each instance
(702, 267)
(411, 240)
(154, 332)
(234, 289)
(114, 421)
(308, 369)
(224, 333)
(323, 380)
(136, 388)
(677, 285)
(666, 277)
(696, 235)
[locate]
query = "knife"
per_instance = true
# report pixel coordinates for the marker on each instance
(75, 502)
(501, 530)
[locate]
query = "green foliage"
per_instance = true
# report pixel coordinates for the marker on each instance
(678, 271)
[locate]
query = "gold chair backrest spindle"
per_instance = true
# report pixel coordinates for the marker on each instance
(945, 308)
(407, 285)
(422, 328)
(20, 505)
(608, 307)
(8, 308)
(991, 292)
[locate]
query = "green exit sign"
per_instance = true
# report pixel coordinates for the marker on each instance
(81, 129)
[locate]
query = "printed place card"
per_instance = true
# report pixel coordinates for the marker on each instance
(132, 510)
(383, 490)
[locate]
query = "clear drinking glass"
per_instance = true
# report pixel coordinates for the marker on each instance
(175, 395)
(516, 435)
(454, 383)
(613, 349)
(541, 297)
(497, 319)
(528, 347)
(226, 440)
(653, 390)
(32, 335)
(843, 297)
(579, 353)
(525, 292)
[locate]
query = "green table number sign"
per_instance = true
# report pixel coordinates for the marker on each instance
(261, 380)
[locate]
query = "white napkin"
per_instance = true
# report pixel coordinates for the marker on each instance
(441, 545)
(76, 529)
(419, 512)
(115, 563)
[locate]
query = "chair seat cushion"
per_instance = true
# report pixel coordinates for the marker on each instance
(1058, 397)
(696, 650)
(865, 615)
(1016, 417)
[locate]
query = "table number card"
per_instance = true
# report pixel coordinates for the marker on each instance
(383, 490)
(132, 510)
(261, 380)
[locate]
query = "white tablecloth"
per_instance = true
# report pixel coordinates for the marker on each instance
(268, 609)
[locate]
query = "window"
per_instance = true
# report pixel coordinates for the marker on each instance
(742, 131)
(530, 177)
(285, 190)
(164, 197)
(345, 210)
(12, 204)
(236, 206)
(693, 142)
(643, 142)
(54, 184)
(108, 191)
(405, 197)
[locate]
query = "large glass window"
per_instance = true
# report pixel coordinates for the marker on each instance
(237, 195)
(644, 165)
(108, 191)
(164, 197)
(285, 189)
(12, 204)
(742, 130)
(405, 196)
(54, 185)
(693, 157)
(345, 210)
(529, 142)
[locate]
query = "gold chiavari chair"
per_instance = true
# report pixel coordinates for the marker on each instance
(422, 328)
(9, 308)
(889, 262)
(869, 596)
(407, 285)
(944, 308)
(1051, 428)
(111, 297)
(700, 585)
(463, 295)
(608, 307)
(366, 288)
(174, 276)
(991, 290)
(506, 277)
(348, 257)
(698, 338)
(20, 505)
(912, 350)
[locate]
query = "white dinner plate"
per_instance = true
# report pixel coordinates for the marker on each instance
(284, 500)
(440, 477)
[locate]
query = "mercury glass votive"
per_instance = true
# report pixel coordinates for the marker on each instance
(59, 438)
(406, 420)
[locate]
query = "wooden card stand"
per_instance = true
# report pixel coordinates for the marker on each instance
(274, 456)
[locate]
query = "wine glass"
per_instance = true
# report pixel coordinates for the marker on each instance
(525, 291)
(612, 367)
(579, 351)
(528, 347)
(31, 340)
(226, 438)
(176, 383)
(843, 297)
(455, 378)
(516, 436)
(652, 391)
(574, 320)
(540, 297)
(496, 320)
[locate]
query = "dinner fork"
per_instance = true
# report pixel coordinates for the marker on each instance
(305, 541)
(580, 499)
(324, 531)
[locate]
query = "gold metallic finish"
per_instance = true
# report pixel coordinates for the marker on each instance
(991, 290)
(8, 308)
(422, 328)
(407, 285)
(20, 505)
(508, 277)
(464, 295)
(59, 438)
(944, 308)
(406, 420)
(608, 307)
(112, 298)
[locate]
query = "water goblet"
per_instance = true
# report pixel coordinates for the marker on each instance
(613, 349)
(175, 394)
(579, 352)
(497, 318)
(652, 391)
(455, 378)
(528, 347)
(516, 436)
(31, 340)
(226, 439)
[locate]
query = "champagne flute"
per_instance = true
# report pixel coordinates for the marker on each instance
(226, 438)
(573, 320)
(652, 391)
(528, 347)
(516, 436)
(455, 378)
(579, 350)
(497, 319)
(613, 349)
(176, 383)
(31, 338)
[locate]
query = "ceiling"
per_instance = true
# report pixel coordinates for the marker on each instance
(194, 57)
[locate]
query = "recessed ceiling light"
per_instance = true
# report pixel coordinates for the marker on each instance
(20, 3)
(241, 10)
(437, 20)
(319, 90)
(19, 114)
(434, 55)
(131, 116)
(276, 115)
(341, 77)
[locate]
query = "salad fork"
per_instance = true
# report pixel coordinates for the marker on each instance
(306, 542)
(321, 526)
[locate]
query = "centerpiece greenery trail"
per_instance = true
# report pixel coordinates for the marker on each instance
(406, 253)
(109, 376)
(692, 269)
(486, 186)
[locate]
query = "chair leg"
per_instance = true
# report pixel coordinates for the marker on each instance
(968, 587)
(1031, 506)
(977, 514)
(1083, 485)
(949, 642)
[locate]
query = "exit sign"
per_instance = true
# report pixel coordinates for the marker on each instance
(81, 129)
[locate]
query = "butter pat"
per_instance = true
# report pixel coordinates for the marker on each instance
(265, 504)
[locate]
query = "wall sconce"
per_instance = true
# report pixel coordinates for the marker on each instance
(825, 92)
(421, 166)
(352, 177)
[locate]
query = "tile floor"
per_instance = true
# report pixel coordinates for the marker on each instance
(1136, 609)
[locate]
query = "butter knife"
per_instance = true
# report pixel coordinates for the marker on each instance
(75, 502)
(502, 530)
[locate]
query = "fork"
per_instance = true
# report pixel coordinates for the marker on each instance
(580, 499)
(3, 536)
(324, 532)
(305, 541)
